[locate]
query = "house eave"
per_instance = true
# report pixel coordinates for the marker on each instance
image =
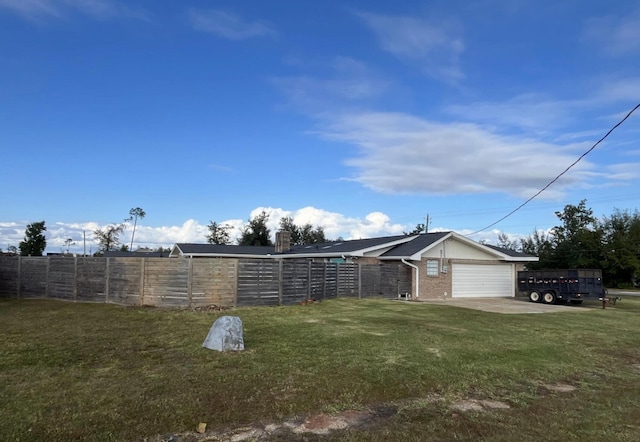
(222, 255)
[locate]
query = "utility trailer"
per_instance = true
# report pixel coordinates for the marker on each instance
(561, 285)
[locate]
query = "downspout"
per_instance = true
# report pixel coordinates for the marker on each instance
(404, 261)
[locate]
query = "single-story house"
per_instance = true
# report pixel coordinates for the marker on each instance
(442, 264)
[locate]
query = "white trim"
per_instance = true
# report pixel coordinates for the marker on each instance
(417, 276)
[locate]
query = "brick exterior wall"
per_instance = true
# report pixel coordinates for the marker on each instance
(434, 287)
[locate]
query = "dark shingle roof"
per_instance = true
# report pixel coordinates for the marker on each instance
(400, 246)
(348, 246)
(508, 252)
(220, 249)
(419, 243)
(120, 254)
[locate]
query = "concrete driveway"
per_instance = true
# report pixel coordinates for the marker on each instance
(510, 305)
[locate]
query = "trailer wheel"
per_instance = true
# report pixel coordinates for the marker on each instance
(549, 298)
(534, 296)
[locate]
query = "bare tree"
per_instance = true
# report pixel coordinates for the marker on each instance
(109, 237)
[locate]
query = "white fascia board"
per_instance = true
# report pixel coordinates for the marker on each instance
(394, 258)
(225, 255)
(175, 251)
(477, 245)
(315, 255)
(499, 255)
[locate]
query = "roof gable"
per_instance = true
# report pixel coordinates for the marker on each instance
(424, 243)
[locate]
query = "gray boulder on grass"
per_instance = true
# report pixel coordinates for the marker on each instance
(225, 335)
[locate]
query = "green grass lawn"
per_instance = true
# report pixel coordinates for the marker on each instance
(103, 372)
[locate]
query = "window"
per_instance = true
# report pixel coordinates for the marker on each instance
(432, 267)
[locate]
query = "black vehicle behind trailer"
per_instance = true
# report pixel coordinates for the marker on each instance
(560, 285)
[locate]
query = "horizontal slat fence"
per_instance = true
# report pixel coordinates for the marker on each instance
(91, 281)
(385, 280)
(258, 282)
(213, 281)
(295, 281)
(170, 282)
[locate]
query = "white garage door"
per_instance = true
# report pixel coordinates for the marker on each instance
(482, 281)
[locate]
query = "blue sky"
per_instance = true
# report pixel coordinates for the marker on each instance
(358, 116)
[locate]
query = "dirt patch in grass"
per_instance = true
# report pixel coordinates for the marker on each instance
(560, 388)
(324, 424)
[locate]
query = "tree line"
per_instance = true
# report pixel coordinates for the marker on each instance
(257, 233)
(108, 238)
(581, 240)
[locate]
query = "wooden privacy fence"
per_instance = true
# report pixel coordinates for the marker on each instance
(196, 282)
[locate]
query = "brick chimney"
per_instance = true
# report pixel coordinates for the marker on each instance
(283, 241)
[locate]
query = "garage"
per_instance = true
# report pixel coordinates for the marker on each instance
(482, 281)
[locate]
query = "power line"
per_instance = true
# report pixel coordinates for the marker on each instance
(562, 173)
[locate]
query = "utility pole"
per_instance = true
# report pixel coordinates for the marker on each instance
(426, 226)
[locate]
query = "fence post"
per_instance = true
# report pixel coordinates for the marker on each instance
(324, 281)
(19, 277)
(75, 278)
(190, 284)
(107, 276)
(46, 278)
(144, 261)
(308, 280)
(280, 281)
(236, 277)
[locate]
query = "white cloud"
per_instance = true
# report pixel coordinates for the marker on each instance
(625, 89)
(31, 8)
(347, 82)
(526, 111)
(435, 47)
(400, 153)
(227, 25)
(615, 35)
(97, 9)
(334, 224)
